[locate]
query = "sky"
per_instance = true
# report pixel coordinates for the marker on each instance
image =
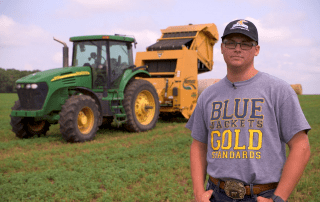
(289, 31)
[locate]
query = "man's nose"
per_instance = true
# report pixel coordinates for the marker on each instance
(238, 48)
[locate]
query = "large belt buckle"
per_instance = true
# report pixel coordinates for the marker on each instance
(234, 189)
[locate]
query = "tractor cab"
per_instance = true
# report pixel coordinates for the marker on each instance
(108, 57)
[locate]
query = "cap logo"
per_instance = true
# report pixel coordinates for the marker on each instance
(240, 25)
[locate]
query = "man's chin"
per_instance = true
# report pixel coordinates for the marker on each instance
(236, 64)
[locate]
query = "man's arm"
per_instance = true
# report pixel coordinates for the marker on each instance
(296, 162)
(298, 158)
(198, 161)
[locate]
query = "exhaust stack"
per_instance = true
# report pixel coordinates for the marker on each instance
(65, 53)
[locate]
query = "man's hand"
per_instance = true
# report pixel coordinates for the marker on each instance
(262, 199)
(206, 196)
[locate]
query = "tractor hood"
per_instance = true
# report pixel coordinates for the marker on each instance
(56, 75)
(43, 92)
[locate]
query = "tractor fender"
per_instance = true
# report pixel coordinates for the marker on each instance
(136, 72)
(89, 92)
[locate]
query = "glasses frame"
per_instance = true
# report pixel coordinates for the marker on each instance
(236, 43)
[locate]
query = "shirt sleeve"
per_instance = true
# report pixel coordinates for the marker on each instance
(291, 118)
(197, 123)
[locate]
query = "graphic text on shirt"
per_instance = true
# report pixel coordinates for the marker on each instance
(228, 127)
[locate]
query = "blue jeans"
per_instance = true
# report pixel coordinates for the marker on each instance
(219, 194)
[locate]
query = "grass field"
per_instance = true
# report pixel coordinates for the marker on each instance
(117, 165)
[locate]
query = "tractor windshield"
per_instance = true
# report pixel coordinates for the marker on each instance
(90, 53)
(93, 54)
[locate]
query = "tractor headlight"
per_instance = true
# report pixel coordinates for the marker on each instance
(28, 86)
(34, 86)
(18, 86)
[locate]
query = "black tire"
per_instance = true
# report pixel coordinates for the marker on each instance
(131, 93)
(26, 127)
(71, 127)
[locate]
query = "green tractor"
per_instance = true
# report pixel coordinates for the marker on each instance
(102, 86)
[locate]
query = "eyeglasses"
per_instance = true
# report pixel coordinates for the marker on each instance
(243, 45)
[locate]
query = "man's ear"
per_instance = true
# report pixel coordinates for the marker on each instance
(221, 48)
(257, 47)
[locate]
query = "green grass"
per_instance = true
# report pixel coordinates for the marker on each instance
(117, 165)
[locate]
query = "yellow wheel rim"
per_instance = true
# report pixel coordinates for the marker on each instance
(145, 107)
(37, 126)
(85, 120)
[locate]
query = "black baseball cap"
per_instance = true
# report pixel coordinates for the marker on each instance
(244, 27)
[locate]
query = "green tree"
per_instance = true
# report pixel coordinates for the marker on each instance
(9, 77)
(3, 80)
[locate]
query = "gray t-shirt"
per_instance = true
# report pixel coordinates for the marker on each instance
(246, 126)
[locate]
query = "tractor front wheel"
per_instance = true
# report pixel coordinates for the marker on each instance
(79, 119)
(141, 104)
(26, 127)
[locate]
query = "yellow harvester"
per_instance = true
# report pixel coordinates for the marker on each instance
(174, 63)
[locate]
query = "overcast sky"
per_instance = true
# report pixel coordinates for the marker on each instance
(289, 30)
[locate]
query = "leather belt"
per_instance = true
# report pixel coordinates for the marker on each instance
(256, 188)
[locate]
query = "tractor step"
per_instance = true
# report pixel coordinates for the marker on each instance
(117, 107)
(120, 115)
(117, 117)
(117, 98)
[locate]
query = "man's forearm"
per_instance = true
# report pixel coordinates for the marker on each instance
(292, 171)
(198, 164)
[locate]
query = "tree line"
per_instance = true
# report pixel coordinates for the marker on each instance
(9, 77)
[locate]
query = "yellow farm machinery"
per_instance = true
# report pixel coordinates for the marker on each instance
(174, 63)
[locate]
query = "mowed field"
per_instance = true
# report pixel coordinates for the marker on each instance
(118, 165)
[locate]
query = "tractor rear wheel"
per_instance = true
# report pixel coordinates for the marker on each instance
(141, 104)
(26, 127)
(79, 119)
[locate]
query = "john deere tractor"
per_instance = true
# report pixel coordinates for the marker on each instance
(99, 87)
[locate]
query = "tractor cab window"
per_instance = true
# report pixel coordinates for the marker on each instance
(93, 54)
(120, 58)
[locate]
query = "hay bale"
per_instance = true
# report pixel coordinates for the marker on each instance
(205, 83)
(297, 88)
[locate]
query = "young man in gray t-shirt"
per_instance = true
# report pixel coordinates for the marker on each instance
(240, 127)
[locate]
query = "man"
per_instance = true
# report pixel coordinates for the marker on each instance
(240, 127)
